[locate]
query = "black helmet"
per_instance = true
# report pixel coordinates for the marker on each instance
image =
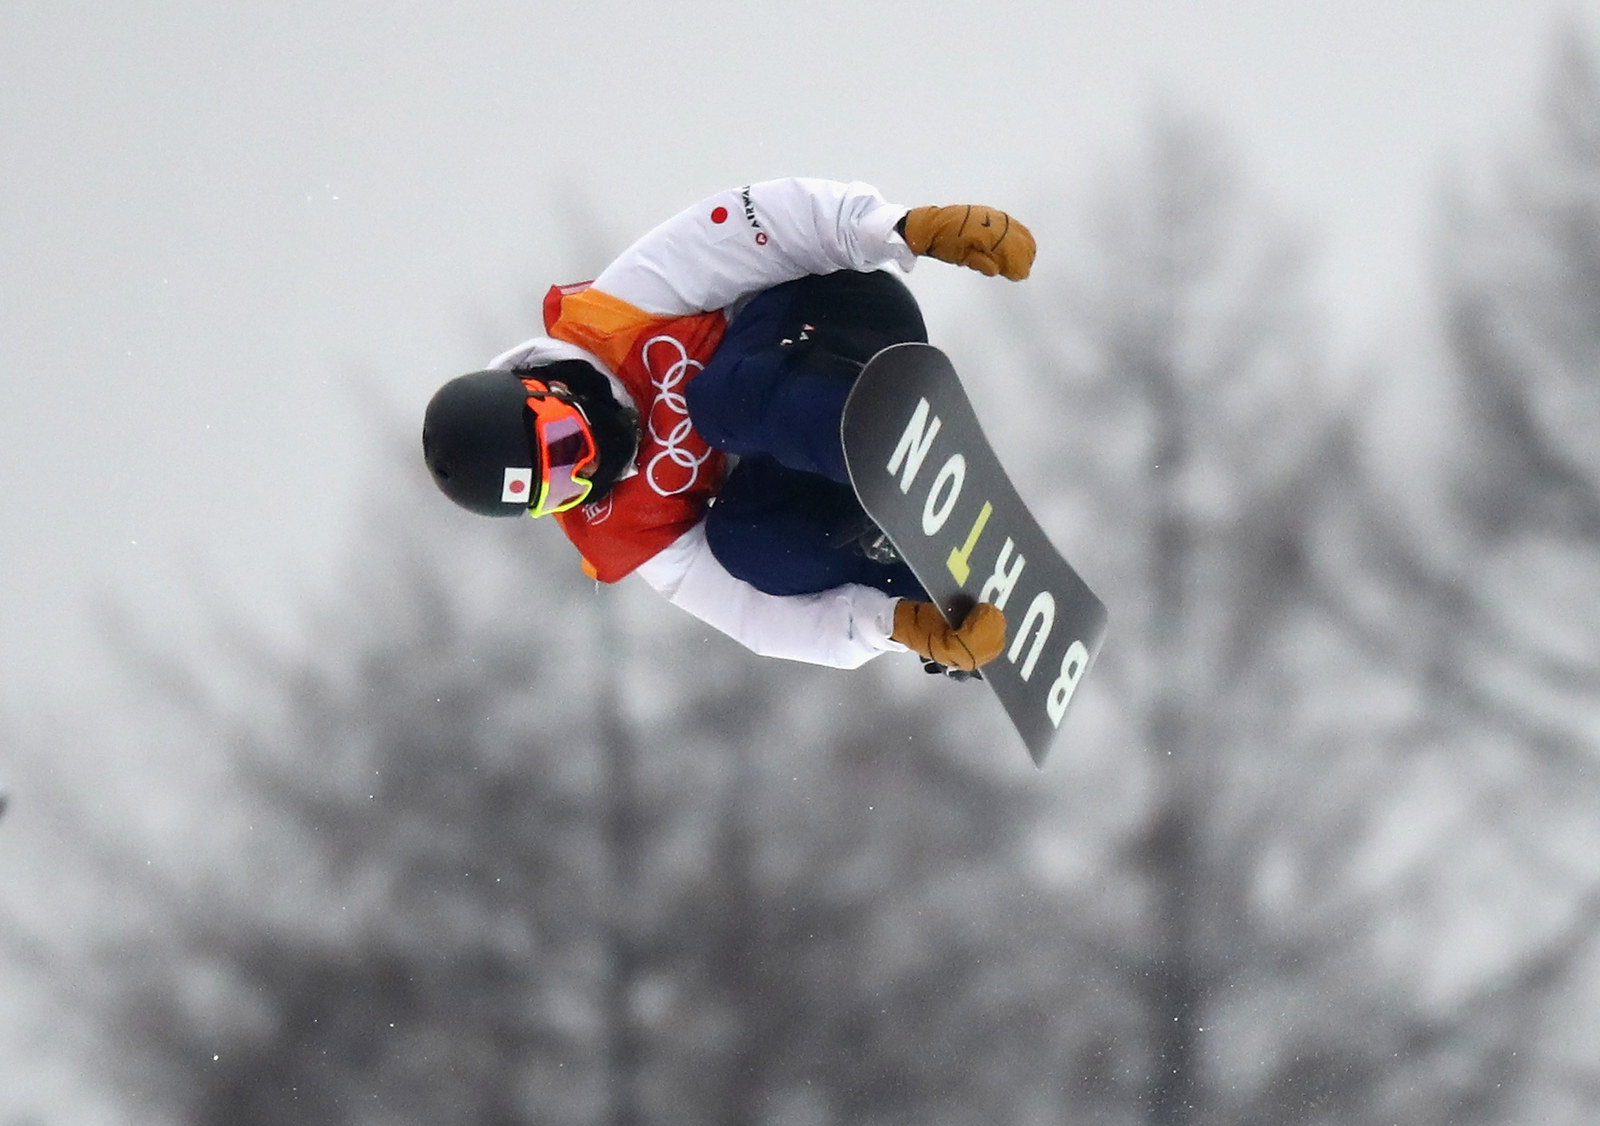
(476, 443)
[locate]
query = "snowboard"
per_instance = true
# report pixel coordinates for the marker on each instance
(925, 473)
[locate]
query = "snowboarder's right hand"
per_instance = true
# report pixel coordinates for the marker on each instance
(978, 640)
(981, 238)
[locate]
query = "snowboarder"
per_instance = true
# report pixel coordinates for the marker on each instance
(681, 419)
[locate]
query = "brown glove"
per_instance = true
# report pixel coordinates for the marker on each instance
(980, 238)
(978, 640)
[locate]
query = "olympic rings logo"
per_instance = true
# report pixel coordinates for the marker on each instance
(675, 467)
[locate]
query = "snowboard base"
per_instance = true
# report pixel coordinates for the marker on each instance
(924, 471)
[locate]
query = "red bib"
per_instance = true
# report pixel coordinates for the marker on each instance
(655, 358)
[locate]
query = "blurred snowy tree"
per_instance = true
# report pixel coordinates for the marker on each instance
(1227, 897)
(1501, 618)
(1521, 265)
(867, 943)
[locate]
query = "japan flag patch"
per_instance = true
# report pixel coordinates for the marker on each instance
(518, 485)
(723, 219)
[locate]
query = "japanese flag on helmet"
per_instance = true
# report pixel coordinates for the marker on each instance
(518, 486)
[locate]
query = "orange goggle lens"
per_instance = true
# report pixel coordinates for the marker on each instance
(566, 447)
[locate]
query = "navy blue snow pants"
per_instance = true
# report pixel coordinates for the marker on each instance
(786, 520)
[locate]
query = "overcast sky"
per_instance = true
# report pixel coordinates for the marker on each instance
(222, 226)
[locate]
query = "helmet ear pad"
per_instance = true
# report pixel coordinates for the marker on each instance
(615, 425)
(473, 434)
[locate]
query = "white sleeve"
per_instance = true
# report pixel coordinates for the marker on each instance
(744, 240)
(844, 627)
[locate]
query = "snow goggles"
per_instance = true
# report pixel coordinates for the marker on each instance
(565, 444)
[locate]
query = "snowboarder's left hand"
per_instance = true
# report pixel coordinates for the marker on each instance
(981, 238)
(978, 640)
